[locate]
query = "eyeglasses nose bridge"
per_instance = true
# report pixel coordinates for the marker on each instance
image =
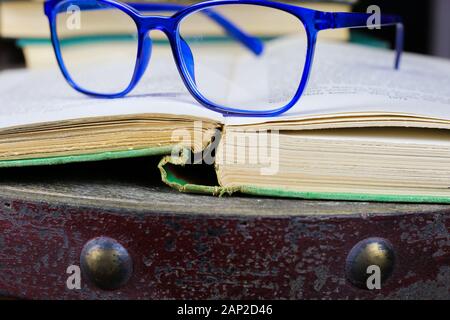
(164, 24)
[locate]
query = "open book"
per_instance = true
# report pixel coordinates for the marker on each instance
(362, 131)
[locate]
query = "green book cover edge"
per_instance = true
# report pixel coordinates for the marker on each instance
(180, 183)
(110, 155)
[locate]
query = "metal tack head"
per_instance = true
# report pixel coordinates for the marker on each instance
(369, 252)
(106, 263)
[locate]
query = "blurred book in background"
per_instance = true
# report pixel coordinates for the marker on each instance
(25, 22)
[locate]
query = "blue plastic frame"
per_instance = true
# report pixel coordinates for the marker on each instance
(314, 21)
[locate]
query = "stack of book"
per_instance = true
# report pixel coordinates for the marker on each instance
(362, 130)
(25, 21)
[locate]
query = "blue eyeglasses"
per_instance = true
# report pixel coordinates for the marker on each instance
(236, 57)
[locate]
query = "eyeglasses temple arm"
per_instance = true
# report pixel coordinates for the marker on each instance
(338, 20)
(252, 43)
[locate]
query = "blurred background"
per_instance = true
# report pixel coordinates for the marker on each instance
(427, 23)
(24, 28)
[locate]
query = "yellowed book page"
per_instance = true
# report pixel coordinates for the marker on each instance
(349, 80)
(376, 160)
(31, 97)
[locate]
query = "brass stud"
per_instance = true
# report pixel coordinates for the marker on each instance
(106, 263)
(368, 252)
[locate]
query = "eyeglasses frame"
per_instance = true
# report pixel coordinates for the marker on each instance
(313, 21)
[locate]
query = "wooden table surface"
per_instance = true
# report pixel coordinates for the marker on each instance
(199, 246)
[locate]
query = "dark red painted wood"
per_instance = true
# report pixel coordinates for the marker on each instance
(193, 256)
